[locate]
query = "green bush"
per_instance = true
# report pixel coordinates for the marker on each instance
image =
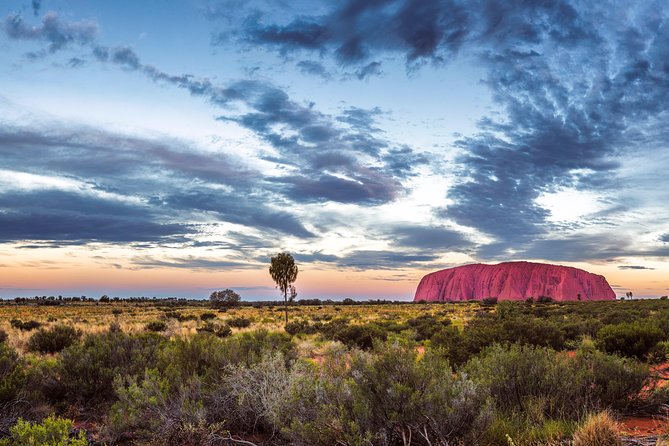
(426, 326)
(544, 384)
(249, 347)
(51, 432)
(88, 368)
(384, 398)
(53, 340)
(207, 316)
(629, 339)
(220, 330)
(302, 326)
(154, 411)
(156, 326)
(360, 336)
(24, 326)
(239, 322)
(12, 376)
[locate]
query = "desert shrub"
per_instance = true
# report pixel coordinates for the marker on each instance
(614, 317)
(156, 326)
(629, 339)
(360, 336)
(53, 340)
(427, 325)
(24, 326)
(510, 327)
(540, 383)
(249, 347)
(117, 311)
(154, 411)
(51, 432)
(384, 398)
(609, 381)
(181, 317)
(87, 369)
(518, 377)
(256, 395)
(239, 322)
(12, 381)
(197, 355)
(599, 429)
(544, 299)
(487, 301)
(658, 353)
(575, 329)
(519, 431)
(451, 341)
(300, 326)
(115, 327)
(3, 336)
(220, 330)
(207, 316)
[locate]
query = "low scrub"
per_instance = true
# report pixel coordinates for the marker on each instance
(54, 339)
(156, 326)
(599, 429)
(24, 326)
(51, 432)
(629, 339)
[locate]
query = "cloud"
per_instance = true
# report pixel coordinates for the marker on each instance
(376, 259)
(313, 68)
(306, 139)
(56, 33)
(69, 217)
(355, 30)
(577, 85)
(172, 179)
(191, 262)
(634, 267)
(664, 238)
(370, 70)
(429, 238)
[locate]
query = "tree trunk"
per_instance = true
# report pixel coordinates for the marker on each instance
(285, 305)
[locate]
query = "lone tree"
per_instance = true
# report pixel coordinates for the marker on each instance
(284, 273)
(225, 298)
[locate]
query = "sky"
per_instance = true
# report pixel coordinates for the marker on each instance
(171, 148)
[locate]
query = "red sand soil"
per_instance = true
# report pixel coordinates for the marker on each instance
(643, 426)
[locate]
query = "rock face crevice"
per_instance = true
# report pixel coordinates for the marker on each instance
(513, 281)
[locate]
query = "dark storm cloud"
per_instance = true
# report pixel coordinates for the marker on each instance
(313, 68)
(575, 248)
(429, 238)
(664, 238)
(68, 217)
(363, 260)
(57, 34)
(228, 207)
(369, 70)
(578, 83)
(635, 267)
(111, 158)
(190, 262)
(174, 181)
(357, 30)
(305, 138)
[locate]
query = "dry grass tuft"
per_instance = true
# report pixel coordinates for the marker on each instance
(599, 429)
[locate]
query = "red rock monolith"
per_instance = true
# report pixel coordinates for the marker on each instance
(513, 281)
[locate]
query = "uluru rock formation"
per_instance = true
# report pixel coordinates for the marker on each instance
(513, 281)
